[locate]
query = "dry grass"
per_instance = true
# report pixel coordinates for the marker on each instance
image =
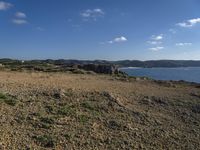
(73, 111)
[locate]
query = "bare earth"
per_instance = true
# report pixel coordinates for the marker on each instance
(69, 111)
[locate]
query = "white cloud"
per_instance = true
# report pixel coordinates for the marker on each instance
(183, 44)
(5, 5)
(156, 48)
(92, 14)
(118, 40)
(20, 15)
(19, 21)
(99, 11)
(20, 18)
(157, 38)
(189, 23)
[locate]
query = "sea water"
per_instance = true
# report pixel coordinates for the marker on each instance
(191, 74)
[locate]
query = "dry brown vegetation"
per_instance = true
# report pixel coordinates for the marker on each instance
(73, 111)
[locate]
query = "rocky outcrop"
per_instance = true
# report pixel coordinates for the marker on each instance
(98, 68)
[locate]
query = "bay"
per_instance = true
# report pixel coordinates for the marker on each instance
(190, 74)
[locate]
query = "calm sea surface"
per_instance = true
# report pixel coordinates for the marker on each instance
(191, 74)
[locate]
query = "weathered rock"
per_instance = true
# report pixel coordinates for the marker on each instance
(106, 69)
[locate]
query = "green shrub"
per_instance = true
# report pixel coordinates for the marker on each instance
(49, 108)
(47, 120)
(7, 99)
(67, 136)
(10, 101)
(87, 105)
(83, 119)
(66, 110)
(3, 96)
(45, 141)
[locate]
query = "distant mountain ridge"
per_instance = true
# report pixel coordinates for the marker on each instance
(121, 63)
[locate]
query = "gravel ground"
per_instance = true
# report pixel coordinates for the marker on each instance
(73, 111)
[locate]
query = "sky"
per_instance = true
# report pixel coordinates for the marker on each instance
(100, 29)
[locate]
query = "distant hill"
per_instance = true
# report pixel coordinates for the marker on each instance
(158, 63)
(122, 63)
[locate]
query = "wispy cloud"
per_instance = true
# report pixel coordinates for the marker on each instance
(92, 14)
(156, 48)
(5, 5)
(19, 21)
(157, 37)
(189, 23)
(156, 40)
(20, 18)
(183, 44)
(118, 40)
(20, 15)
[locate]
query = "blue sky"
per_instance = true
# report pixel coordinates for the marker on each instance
(100, 29)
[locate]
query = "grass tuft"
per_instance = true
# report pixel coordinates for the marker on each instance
(2, 96)
(47, 120)
(87, 105)
(67, 110)
(83, 119)
(7, 99)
